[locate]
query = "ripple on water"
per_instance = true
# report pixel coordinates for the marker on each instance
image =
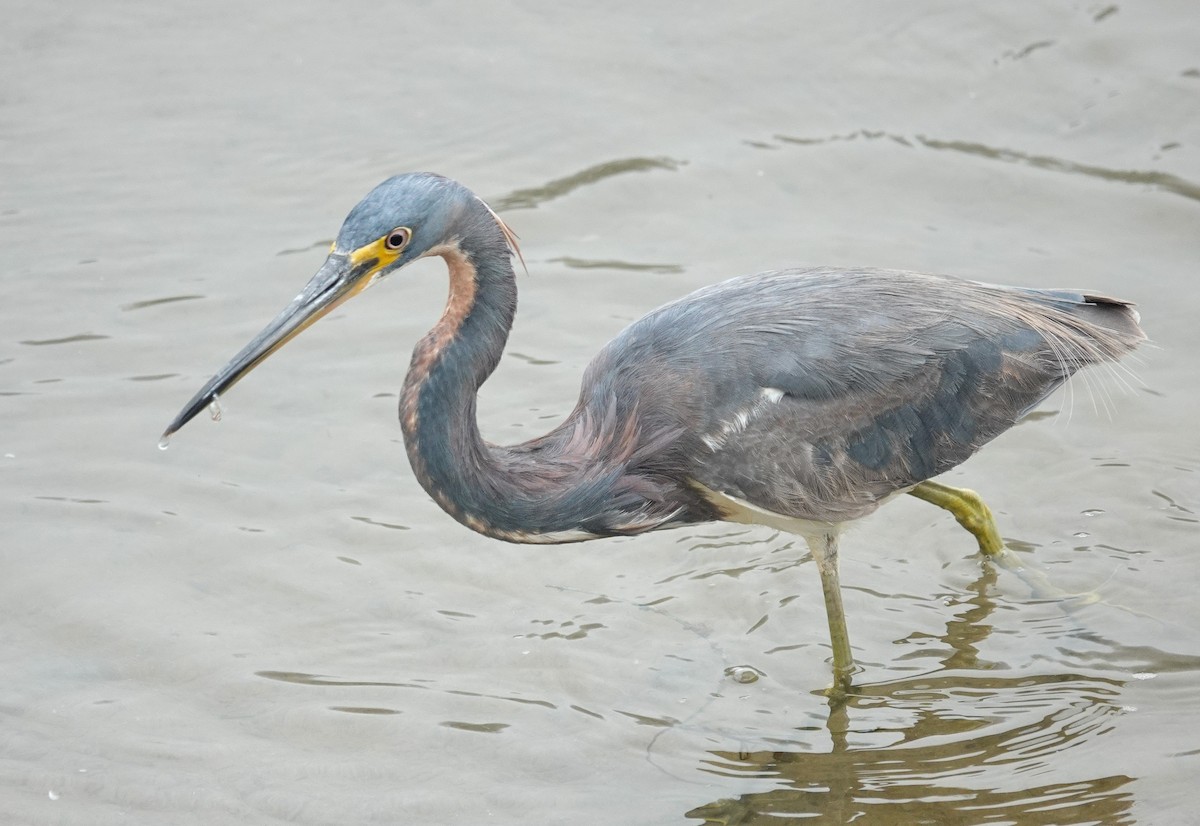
(947, 748)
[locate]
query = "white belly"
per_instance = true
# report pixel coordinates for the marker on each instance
(734, 509)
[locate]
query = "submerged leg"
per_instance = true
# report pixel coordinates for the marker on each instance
(974, 515)
(968, 508)
(825, 552)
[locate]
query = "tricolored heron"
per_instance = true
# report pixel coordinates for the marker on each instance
(798, 399)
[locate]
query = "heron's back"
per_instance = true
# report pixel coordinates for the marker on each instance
(817, 393)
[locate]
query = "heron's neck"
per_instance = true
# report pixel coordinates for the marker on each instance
(456, 357)
(486, 487)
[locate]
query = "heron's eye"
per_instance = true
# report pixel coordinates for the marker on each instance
(398, 239)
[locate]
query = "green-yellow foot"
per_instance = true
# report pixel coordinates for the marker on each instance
(968, 508)
(971, 512)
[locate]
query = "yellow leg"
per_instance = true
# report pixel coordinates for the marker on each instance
(968, 508)
(825, 552)
(974, 515)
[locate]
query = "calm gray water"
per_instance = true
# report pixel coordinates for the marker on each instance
(271, 623)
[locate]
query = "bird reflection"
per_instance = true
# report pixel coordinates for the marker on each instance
(959, 759)
(969, 628)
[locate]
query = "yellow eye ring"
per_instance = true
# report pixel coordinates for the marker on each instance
(397, 239)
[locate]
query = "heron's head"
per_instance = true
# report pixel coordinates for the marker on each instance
(404, 218)
(399, 221)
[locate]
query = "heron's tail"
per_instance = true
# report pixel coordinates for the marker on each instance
(1117, 317)
(1088, 328)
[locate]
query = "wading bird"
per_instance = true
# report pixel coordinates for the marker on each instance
(798, 399)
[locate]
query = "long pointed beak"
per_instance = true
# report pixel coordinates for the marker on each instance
(338, 280)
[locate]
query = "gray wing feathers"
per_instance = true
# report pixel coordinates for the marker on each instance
(817, 393)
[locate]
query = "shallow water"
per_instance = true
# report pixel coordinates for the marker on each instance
(271, 623)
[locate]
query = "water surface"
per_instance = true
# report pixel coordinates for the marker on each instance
(271, 623)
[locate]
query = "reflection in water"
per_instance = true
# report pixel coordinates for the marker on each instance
(154, 302)
(301, 678)
(934, 784)
(612, 264)
(1146, 177)
(534, 196)
(958, 746)
(79, 337)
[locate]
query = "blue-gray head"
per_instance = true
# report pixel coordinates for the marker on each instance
(404, 218)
